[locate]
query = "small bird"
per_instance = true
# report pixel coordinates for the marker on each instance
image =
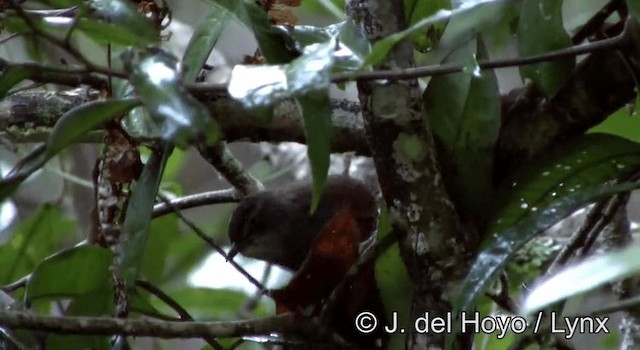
(276, 226)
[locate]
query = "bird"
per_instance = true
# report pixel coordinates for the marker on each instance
(277, 225)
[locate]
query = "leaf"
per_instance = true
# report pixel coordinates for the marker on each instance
(12, 75)
(202, 42)
(634, 9)
(138, 215)
(181, 118)
(464, 111)
(540, 30)
(162, 234)
(272, 43)
(582, 163)
(496, 252)
(70, 127)
(261, 86)
(71, 272)
(584, 276)
(121, 15)
(416, 10)
(62, 3)
(393, 281)
(472, 9)
(33, 240)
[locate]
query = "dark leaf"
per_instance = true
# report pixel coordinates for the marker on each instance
(11, 76)
(464, 111)
(181, 118)
(540, 30)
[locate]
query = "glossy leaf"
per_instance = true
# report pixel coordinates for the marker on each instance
(540, 30)
(382, 47)
(74, 271)
(32, 241)
(585, 276)
(393, 281)
(497, 251)
(260, 86)
(122, 16)
(202, 41)
(464, 111)
(180, 118)
(272, 43)
(12, 75)
(138, 215)
(583, 163)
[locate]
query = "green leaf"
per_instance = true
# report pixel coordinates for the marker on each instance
(120, 16)
(583, 163)
(209, 304)
(32, 241)
(162, 234)
(74, 271)
(11, 76)
(272, 43)
(471, 17)
(62, 3)
(393, 281)
(585, 276)
(108, 33)
(138, 215)
(70, 127)
(203, 40)
(181, 118)
(464, 111)
(496, 252)
(416, 10)
(634, 9)
(540, 30)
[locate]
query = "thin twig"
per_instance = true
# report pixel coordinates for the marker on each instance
(596, 22)
(213, 245)
(229, 195)
(230, 168)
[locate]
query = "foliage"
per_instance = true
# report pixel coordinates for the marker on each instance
(149, 100)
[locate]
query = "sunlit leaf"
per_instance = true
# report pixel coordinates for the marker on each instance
(32, 241)
(203, 40)
(78, 270)
(393, 282)
(583, 163)
(180, 118)
(464, 111)
(584, 276)
(540, 30)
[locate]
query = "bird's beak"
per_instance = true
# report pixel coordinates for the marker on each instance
(232, 252)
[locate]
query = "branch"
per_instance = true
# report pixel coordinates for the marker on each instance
(230, 168)
(196, 200)
(285, 324)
